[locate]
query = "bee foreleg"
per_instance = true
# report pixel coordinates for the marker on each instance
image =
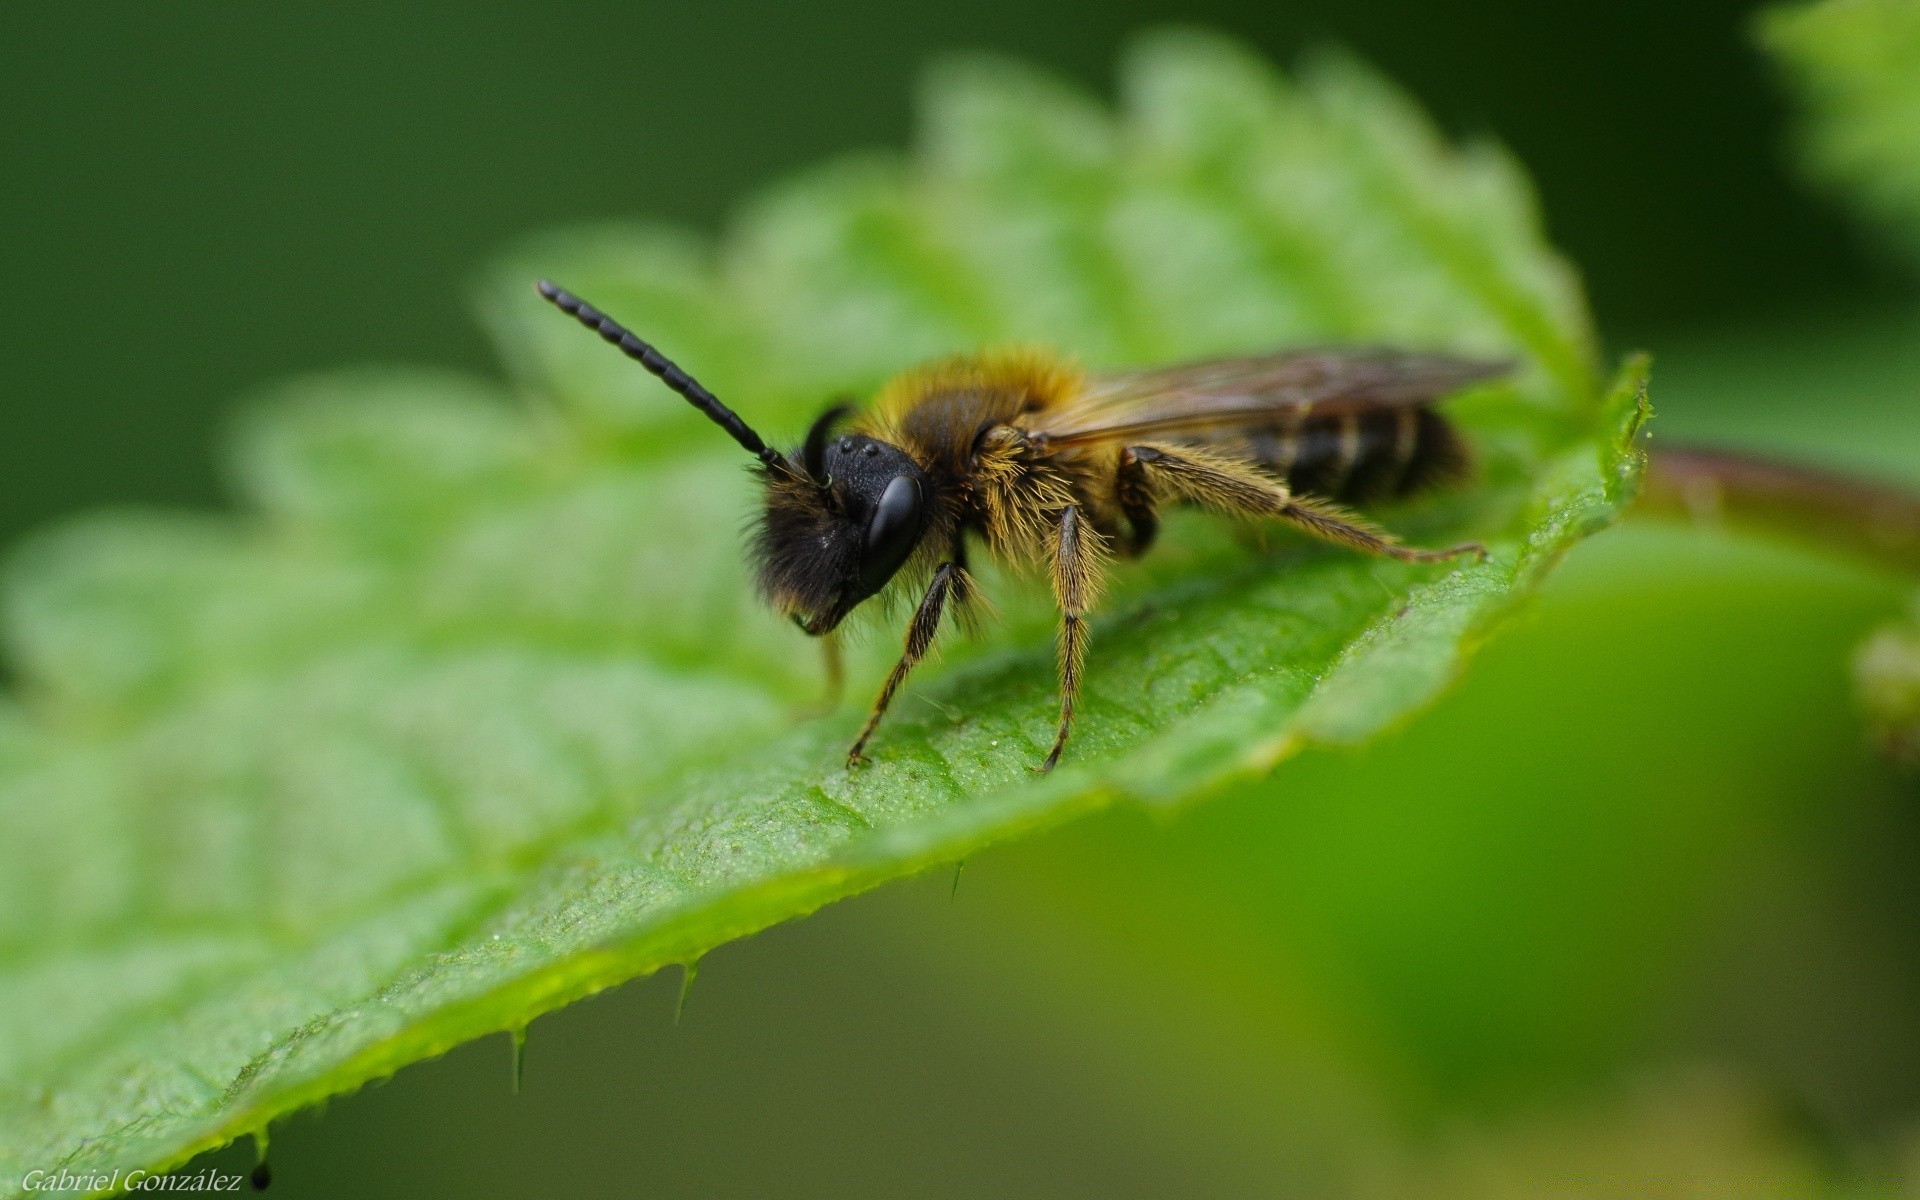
(1240, 489)
(1076, 584)
(920, 632)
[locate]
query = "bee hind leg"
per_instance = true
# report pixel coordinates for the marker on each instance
(1335, 524)
(1240, 489)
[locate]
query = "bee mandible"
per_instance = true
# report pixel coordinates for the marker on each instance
(1050, 467)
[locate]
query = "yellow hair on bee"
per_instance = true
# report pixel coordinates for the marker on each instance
(1001, 384)
(960, 419)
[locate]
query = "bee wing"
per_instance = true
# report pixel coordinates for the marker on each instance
(1255, 391)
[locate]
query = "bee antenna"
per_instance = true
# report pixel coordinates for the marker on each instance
(664, 368)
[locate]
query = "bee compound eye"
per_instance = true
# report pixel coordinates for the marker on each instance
(895, 526)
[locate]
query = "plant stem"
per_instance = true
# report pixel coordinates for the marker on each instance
(1873, 521)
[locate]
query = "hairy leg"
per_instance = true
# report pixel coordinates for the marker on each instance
(1240, 489)
(1076, 584)
(920, 632)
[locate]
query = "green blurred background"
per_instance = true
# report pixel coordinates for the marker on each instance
(1635, 904)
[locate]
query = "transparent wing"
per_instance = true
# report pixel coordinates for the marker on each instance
(1256, 391)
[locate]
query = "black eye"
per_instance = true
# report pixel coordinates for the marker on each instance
(896, 519)
(893, 532)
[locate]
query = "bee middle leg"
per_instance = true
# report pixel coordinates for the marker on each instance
(950, 578)
(1240, 489)
(1076, 584)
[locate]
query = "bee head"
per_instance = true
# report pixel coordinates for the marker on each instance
(843, 514)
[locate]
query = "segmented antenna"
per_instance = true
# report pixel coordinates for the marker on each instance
(662, 366)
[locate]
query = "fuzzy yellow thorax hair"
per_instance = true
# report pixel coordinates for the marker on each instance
(1044, 378)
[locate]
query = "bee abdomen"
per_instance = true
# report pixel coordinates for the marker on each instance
(1360, 456)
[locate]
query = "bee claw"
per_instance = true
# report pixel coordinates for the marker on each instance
(856, 759)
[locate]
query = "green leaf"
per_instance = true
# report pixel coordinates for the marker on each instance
(1856, 65)
(473, 714)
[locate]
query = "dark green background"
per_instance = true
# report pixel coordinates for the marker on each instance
(199, 198)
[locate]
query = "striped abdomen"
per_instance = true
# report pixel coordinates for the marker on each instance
(1355, 456)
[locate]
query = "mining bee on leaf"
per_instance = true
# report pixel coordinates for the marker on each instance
(1051, 467)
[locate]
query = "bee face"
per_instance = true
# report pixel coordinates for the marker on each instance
(836, 530)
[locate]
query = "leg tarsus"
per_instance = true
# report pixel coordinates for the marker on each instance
(1072, 654)
(1336, 524)
(1240, 489)
(1415, 554)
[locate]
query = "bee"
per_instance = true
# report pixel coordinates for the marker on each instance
(1049, 467)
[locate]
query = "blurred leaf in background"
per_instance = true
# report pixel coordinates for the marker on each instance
(1853, 63)
(1858, 64)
